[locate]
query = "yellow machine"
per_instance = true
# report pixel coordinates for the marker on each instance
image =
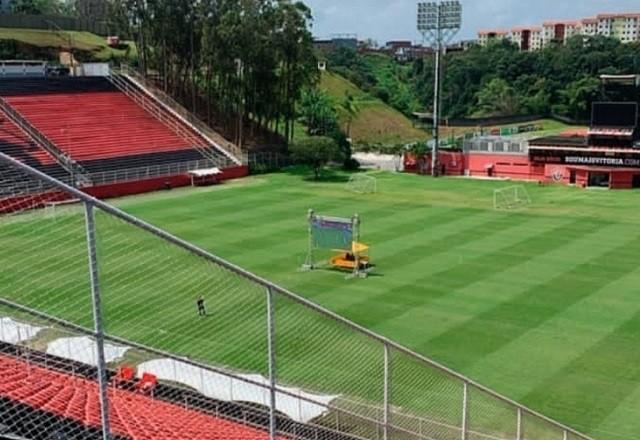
(354, 260)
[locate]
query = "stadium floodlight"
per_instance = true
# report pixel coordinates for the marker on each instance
(438, 22)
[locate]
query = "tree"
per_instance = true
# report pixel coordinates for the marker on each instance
(36, 7)
(318, 113)
(351, 108)
(497, 97)
(236, 63)
(579, 95)
(317, 152)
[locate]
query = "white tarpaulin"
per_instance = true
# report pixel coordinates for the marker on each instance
(386, 162)
(208, 172)
(83, 349)
(220, 387)
(13, 331)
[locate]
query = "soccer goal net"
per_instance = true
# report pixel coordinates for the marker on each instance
(513, 197)
(362, 184)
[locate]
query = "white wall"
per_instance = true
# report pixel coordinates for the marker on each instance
(93, 69)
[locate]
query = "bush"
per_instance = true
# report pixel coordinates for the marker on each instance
(351, 164)
(316, 151)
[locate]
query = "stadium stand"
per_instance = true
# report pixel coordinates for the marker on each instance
(133, 415)
(15, 143)
(40, 390)
(92, 130)
(95, 122)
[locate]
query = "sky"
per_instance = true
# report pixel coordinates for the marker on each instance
(384, 20)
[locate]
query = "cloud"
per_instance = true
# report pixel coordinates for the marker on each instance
(385, 20)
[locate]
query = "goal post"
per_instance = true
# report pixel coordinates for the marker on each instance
(362, 184)
(511, 198)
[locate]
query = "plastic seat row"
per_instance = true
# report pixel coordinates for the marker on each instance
(133, 415)
(90, 119)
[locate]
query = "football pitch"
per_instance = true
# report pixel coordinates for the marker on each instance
(541, 305)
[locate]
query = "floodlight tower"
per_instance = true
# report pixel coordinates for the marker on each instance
(438, 22)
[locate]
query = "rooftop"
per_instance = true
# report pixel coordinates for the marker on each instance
(575, 141)
(493, 31)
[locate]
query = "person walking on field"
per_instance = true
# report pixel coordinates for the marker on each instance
(202, 311)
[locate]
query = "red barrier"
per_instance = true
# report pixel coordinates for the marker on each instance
(32, 201)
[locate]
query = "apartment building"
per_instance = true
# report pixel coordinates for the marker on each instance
(624, 27)
(486, 36)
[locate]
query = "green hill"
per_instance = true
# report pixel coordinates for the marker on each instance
(376, 122)
(86, 46)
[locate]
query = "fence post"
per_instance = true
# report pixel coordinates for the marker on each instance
(386, 395)
(565, 435)
(465, 410)
(271, 344)
(97, 318)
(519, 426)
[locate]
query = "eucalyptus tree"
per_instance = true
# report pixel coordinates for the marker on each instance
(248, 60)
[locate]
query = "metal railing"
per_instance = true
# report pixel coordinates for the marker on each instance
(262, 161)
(373, 387)
(232, 150)
(149, 172)
(80, 176)
(151, 107)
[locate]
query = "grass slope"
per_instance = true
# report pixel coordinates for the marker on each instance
(377, 122)
(541, 305)
(79, 41)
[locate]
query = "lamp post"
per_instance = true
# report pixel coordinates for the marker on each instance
(438, 22)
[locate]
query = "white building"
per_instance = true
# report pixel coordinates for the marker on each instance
(624, 27)
(486, 36)
(527, 38)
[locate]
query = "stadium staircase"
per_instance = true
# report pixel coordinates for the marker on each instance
(175, 116)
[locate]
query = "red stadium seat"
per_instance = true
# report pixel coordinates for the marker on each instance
(148, 383)
(133, 415)
(93, 123)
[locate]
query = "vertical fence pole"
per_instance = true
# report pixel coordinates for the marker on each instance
(271, 344)
(97, 318)
(519, 426)
(565, 435)
(465, 410)
(387, 394)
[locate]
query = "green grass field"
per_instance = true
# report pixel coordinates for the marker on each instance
(541, 305)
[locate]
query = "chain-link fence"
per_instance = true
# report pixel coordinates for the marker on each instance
(112, 328)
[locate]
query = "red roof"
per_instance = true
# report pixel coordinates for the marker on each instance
(526, 28)
(564, 22)
(620, 15)
(493, 31)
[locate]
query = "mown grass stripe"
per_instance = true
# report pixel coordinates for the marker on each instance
(542, 301)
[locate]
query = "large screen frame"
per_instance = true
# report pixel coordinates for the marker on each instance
(614, 114)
